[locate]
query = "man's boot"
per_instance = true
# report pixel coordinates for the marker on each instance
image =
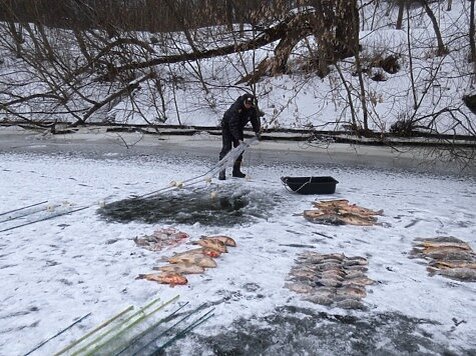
(222, 175)
(236, 170)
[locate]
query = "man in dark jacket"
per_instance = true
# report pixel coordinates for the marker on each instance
(233, 123)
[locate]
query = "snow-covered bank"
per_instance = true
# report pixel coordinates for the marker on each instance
(408, 79)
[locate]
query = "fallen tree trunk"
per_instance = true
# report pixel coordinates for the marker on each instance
(266, 37)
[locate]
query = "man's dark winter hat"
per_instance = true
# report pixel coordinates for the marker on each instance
(248, 98)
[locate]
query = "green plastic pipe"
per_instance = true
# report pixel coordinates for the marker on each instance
(141, 318)
(74, 343)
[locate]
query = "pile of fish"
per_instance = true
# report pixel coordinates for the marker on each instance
(340, 212)
(161, 238)
(193, 261)
(330, 279)
(448, 257)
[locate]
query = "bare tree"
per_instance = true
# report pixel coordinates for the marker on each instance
(102, 60)
(472, 30)
(441, 46)
(401, 10)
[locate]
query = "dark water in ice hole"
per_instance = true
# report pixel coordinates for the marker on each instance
(219, 206)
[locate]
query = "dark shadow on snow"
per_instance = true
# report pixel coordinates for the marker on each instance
(301, 331)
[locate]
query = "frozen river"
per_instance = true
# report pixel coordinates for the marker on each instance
(57, 270)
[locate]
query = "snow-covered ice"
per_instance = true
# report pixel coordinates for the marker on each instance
(55, 271)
